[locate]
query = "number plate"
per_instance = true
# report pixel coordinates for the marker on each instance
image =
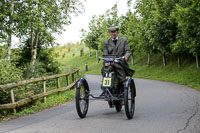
(106, 82)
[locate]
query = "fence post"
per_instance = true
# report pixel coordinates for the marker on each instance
(44, 90)
(67, 80)
(78, 72)
(58, 84)
(13, 99)
(73, 77)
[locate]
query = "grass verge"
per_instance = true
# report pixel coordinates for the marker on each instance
(52, 100)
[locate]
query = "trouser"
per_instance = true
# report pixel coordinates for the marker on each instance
(121, 75)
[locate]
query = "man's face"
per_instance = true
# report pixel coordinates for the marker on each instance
(113, 34)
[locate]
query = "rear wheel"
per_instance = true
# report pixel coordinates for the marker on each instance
(82, 100)
(118, 106)
(129, 100)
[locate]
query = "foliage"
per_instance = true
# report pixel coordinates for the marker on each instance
(98, 28)
(45, 64)
(8, 73)
(129, 29)
(35, 21)
(3, 51)
(39, 70)
(152, 26)
(187, 16)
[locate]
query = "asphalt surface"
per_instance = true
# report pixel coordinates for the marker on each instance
(161, 107)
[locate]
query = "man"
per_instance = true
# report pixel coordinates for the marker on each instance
(118, 46)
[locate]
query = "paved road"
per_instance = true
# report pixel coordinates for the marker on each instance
(161, 107)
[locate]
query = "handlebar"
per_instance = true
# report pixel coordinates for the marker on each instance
(119, 58)
(111, 58)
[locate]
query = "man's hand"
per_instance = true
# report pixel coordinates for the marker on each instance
(124, 59)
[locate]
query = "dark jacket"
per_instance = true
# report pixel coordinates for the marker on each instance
(120, 49)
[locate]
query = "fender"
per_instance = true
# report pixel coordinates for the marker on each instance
(130, 81)
(82, 81)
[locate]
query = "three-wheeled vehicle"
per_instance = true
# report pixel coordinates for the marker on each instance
(110, 90)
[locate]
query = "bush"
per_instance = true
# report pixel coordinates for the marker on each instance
(8, 73)
(45, 64)
(3, 51)
(38, 70)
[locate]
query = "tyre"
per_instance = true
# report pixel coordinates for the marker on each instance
(129, 99)
(82, 100)
(118, 106)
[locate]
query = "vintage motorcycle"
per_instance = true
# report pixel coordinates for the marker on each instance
(116, 97)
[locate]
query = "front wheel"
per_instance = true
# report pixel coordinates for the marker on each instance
(82, 99)
(129, 100)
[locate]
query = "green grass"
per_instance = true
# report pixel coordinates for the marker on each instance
(52, 100)
(187, 75)
(69, 62)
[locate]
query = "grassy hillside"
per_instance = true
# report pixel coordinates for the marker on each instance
(188, 74)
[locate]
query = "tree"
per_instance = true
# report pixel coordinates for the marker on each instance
(146, 42)
(98, 29)
(7, 17)
(129, 27)
(44, 17)
(187, 16)
(160, 30)
(165, 28)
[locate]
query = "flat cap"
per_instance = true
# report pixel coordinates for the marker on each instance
(114, 28)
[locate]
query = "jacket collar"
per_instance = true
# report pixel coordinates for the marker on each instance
(115, 38)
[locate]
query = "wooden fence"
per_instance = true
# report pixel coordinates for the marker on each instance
(12, 86)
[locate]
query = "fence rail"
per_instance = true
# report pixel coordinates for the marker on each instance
(12, 86)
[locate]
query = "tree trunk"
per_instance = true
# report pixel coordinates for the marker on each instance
(89, 52)
(197, 61)
(132, 58)
(97, 54)
(148, 61)
(32, 42)
(10, 30)
(34, 51)
(179, 60)
(164, 59)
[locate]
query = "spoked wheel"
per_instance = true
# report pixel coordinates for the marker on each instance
(82, 99)
(129, 100)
